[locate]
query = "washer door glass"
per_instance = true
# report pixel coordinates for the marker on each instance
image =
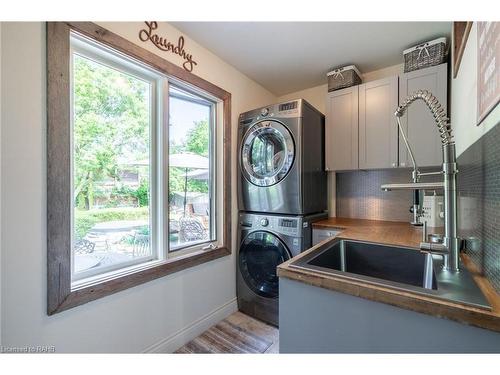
(260, 254)
(267, 153)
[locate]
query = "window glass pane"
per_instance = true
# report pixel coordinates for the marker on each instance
(190, 211)
(111, 168)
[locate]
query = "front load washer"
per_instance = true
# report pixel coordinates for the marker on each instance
(265, 242)
(281, 159)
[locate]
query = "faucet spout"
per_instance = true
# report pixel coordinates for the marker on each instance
(450, 248)
(438, 112)
(415, 209)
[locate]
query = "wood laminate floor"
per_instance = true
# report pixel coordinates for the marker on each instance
(238, 333)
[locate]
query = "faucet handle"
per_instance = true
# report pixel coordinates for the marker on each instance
(434, 248)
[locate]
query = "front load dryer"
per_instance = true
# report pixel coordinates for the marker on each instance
(281, 159)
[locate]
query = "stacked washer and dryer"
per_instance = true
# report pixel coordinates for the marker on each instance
(282, 190)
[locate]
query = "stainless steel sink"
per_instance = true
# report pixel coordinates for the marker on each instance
(393, 266)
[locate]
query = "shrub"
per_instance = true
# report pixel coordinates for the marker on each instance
(85, 220)
(142, 193)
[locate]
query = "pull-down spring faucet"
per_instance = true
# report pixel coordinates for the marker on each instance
(450, 248)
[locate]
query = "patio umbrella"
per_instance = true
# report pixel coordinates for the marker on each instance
(188, 161)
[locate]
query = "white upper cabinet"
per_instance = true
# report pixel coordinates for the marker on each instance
(341, 132)
(362, 131)
(418, 122)
(378, 129)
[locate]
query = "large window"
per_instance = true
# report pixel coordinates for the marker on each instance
(138, 166)
(143, 165)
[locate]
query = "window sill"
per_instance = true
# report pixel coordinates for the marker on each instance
(89, 293)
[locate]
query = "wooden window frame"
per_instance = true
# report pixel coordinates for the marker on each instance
(461, 31)
(60, 295)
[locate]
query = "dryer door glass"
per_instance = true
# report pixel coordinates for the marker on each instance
(267, 153)
(260, 254)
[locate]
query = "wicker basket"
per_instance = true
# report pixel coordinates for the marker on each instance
(426, 54)
(346, 76)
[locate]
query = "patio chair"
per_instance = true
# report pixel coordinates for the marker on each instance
(201, 209)
(140, 245)
(100, 241)
(83, 246)
(191, 229)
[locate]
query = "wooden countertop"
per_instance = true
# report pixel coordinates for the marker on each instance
(401, 234)
(386, 232)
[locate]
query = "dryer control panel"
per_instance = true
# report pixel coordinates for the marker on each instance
(290, 109)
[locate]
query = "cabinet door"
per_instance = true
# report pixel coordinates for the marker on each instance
(378, 128)
(418, 122)
(341, 132)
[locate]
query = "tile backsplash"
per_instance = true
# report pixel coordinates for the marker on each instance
(358, 194)
(479, 202)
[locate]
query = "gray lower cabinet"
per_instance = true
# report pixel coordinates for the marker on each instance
(378, 131)
(318, 320)
(341, 131)
(418, 122)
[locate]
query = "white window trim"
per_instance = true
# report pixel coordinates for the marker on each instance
(216, 236)
(101, 55)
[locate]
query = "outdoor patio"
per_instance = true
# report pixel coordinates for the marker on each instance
(120, 241)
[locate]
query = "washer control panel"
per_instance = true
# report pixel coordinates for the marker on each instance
(288, 226)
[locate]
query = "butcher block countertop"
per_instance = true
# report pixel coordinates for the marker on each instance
(400, 234)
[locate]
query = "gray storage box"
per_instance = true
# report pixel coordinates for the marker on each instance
(426, 54)
(346, 76)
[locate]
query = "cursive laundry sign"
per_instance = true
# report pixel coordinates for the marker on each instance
(148, 34)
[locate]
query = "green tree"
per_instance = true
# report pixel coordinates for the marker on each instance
(111, 119)
(197, 141)
(197, 138)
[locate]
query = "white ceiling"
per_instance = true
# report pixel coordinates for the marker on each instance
(289, 56)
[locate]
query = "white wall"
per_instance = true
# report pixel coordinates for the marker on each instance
(393, 70)
(317, 97)
(463, 112)
(159, 315)
(314, 95)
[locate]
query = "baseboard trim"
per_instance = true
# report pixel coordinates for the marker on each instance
(186, 334)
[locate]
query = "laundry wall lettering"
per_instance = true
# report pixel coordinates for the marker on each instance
(148, 34)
